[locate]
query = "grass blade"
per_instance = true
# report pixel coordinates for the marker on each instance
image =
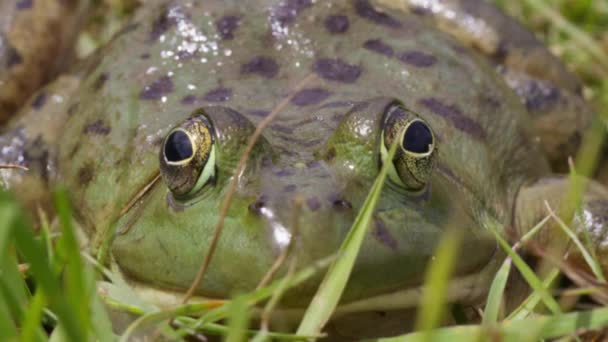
(326, 299)
(531, 329)
(528, 275)
(436, 283)
(490, 315)
(239, 317)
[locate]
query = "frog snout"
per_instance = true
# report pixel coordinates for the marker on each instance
(303, 204)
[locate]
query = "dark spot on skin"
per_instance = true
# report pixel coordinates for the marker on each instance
(282, 128)
(419, 10)
(330, 154)
(286, 152)
(383, 235)
(24, 4)
(226, 26)
(313, 203)
(144, 55)
(306, 121)
(338, 104)
(360, 106)
(311, 96)
(313, 164)
(161, 24)
(129, 28)
(290, 188)
(157, 89)
(365, 10)
(286, 12)
(336, 70)
(266, 161)
(417, 59)
(188, 100)
(261, 65)
(284, 173)
(100, 81)
(336, 24)
(97, 127)
(455, 115)
(502, 51)
(220, 94)
(538, 95)
(378, 46)
(12, 57)
(86, 174)
(259, 112)
(73, 108)
(36, 158)
(39, 101)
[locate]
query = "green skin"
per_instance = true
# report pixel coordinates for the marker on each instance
(324, 146)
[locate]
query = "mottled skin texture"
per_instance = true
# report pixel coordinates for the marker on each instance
(236, 61)
(36, 37)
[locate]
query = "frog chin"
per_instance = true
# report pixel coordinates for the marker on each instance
(468, 289)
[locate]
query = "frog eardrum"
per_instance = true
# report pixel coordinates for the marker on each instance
(187, 156)
(414, 159)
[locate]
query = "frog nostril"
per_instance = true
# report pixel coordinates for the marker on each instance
(341, 204)
(257, 206)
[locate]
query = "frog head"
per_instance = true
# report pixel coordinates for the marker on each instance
(290, 193)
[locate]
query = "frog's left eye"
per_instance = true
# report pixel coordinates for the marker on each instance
(414, 159)
(187, 156)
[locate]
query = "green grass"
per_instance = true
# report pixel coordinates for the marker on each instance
(49, 290)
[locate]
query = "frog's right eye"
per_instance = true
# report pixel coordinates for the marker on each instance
(187, 156)
(414, 160)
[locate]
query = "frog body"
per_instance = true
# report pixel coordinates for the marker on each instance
(36, 39)
(151, 135)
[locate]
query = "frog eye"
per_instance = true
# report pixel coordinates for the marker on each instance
(187, 156)
(414, 160)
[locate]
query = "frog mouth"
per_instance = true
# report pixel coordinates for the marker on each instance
(469, 289)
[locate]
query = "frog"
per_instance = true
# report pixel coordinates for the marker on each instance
(36, 43)
(148, 136)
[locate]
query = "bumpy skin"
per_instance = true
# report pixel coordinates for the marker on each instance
(36, 37)
(237, 61)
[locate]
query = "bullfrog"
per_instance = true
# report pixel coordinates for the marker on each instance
(147, 136)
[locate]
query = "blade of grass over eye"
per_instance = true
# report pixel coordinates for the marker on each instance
(530, 329)
(325, 300)
(529, 275)
(432, 304)
(238, 319)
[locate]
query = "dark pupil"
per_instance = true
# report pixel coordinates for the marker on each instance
(417, 138)
(178, 147)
